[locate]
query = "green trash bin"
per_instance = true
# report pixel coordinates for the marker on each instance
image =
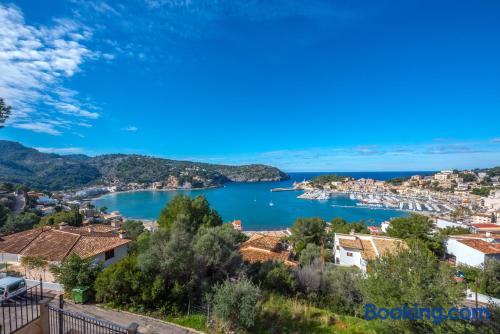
(80, 295)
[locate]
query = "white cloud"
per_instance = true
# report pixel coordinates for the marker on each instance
(131, 129)
(34, 63)
(496, 140)
(60, 150)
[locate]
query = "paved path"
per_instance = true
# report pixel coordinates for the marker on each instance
(147, 325)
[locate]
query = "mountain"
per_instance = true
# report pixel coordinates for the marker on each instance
(48, 171)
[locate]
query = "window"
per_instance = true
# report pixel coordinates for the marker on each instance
(338, 248)
(13, 287)
(349, 254)
(337, 260)
(109, 254)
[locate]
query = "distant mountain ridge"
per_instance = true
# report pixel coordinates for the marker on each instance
(48, 171)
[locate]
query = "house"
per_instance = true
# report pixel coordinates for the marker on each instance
(100, 243)
(237, 225)
(375, 229)
(483, 228)
(262, 248)
(357, 249)
(482, 218)
(472, 249)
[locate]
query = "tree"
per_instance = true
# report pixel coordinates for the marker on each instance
(4, 214)
(21, 222)
(75, 271)
(489, 281)
(281, 280)
(103, 209)
(340, 289)
(5, 112)
(72, 218)
(35, 263)
(306, 231)
(121, 284)
(216, 252)
(134, 228)
(410, 276)
(309, 254)
(340, 225)
(236, 303)
(197, 211)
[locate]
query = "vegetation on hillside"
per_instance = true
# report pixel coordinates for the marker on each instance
(5, 111)
(27, 166)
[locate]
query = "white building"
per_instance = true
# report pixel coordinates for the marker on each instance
(357, 249)
(472, 249)
(444, 223)
(482, 218)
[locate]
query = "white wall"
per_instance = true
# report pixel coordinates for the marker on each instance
(442, 223)
(120, 253)
(464, 254)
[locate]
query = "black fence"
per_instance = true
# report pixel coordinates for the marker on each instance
(20, 310)
(63, 321)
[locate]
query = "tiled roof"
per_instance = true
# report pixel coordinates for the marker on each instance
(55, 245)
(482, 246)
(371, 246)
(262, 248)
(263, 241)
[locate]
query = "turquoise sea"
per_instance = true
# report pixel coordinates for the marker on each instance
(250, 202)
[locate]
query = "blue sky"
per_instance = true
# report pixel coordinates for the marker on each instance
(303, 85)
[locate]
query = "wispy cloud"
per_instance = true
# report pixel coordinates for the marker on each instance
(60, 150)
(130, 129)
(35, 61)
(496, 140)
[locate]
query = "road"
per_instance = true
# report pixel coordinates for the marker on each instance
(147, 325)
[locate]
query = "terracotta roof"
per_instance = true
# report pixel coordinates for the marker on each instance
(55, 245)
(351, 243)
(263, 241)
(482, 246)
(262, 248)
(371, 246)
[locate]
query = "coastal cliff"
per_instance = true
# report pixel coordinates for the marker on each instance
(46, 171)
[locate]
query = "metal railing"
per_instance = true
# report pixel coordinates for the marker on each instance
(20, 310)
(63, 321)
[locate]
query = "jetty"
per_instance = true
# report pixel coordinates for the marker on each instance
(283, 189)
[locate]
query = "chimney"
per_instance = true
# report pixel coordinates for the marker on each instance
(63, 226)
(352, 232)
(90, 229)
(122, 234)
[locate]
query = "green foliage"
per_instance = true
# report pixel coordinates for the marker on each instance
(34, 262)
(280, 280)
(5, 112)
(121, 284)
(397, 181)
(75, 272)
(468, 177)
(197, 212)
(236, 303)
(340, 289)
(306, 231)
(411, 276)
(72, 218)
(489, 281)
(340, 225)
(17, 223)
(20, 164)
(309, 254)
(321, 180)
(134, 228)
(4, 214)
(482, 191)
(418, 227)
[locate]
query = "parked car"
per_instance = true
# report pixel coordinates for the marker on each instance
(11, 287)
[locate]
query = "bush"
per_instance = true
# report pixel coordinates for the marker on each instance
(74, 272)
(280, 280)
(236, 303)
